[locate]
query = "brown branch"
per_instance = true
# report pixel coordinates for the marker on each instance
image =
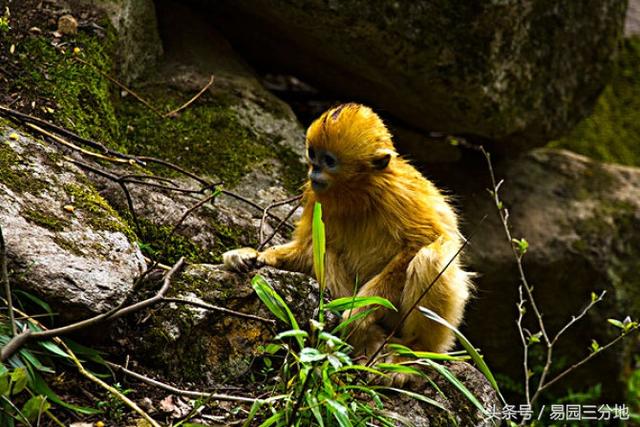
(182, 392)
(266, 210)
(190, 211)
(218, 308)
(582, 362)
(19, 340)
(174, 113)
(4, 278)
(279, 226)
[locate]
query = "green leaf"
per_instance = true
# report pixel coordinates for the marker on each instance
(446, 373)
(40, 386)
(402, 350)
(274, 302)
(352, 319)
(314, 406)
(34, 407)
(348, 303)
(54, 348)
(616, 323)
(309, 355)
(272, 419)
(19, 380)
(477, 358)
(35, 362)
(5, 383)
(361, 368)
(595, 347)
(37, 301)
(87, 353)
(521, 244)
(417, 396)
(340, 413)
(399, 369)
(291, 333)
(319, 245)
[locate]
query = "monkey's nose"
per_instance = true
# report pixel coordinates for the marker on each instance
(318, 185)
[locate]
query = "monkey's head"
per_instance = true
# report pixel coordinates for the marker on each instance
(345, 145)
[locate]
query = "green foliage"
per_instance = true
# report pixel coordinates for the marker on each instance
(24, 392)
(612, 132)
(319, 384)
(113, 408)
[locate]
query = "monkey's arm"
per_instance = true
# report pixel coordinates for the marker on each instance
(293, 256)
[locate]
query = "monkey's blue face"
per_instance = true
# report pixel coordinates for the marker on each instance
(322, 164)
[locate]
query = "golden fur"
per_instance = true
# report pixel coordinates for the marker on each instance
(387, 227)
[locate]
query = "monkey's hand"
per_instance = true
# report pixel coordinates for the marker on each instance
(242, 260)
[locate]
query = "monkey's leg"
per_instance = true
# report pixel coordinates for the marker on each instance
(447, 296)
(367, 334)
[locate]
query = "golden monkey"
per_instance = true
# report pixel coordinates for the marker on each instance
(387, 227)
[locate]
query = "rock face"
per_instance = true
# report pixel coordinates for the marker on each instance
(518, 71)
(582, 221)
(64, 242)
(193, 344)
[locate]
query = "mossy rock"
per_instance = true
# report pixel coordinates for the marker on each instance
(612, 132)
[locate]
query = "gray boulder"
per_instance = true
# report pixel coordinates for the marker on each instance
(511, 70)
(64, 242)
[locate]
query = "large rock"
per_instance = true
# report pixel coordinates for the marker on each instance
(582, 221)
(518, 71)
(64, 242)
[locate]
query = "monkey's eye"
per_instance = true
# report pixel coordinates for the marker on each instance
(312, 153)
(330, 161)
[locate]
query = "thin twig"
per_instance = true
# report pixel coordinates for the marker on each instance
(254, 205)
(505, 225)
(121, 86)
(4, 278)
(525, 347)
(218, 308)
(106, 386)
(582, 362)
(279, 226)
(174, 113)
(549, 359)
(75, 147)
(268, 208)
(190, 211)
(188, 393)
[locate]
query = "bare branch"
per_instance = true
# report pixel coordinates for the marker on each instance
(182, 392)
(174, 113)
(221, 309)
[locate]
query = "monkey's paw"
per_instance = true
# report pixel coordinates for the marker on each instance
(241, 260)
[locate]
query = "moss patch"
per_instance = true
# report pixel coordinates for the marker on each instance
(15, 177)
(43, 219)
(96, 211)
(207, 137)
(76, 95)
(612, 132)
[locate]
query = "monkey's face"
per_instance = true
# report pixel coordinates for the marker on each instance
(323, 166)
(346, 146)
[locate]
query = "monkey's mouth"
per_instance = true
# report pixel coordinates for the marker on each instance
(319, 186)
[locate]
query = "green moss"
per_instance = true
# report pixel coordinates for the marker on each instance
(159, 243)
(79, 93)
(13, 175)
(96, 211)
(612, 132)
(206, 137)
(46, 220)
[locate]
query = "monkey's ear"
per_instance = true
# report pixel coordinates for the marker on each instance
(382, 159)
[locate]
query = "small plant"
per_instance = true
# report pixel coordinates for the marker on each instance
(4, 21)
(114, 408)
(319, 383)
